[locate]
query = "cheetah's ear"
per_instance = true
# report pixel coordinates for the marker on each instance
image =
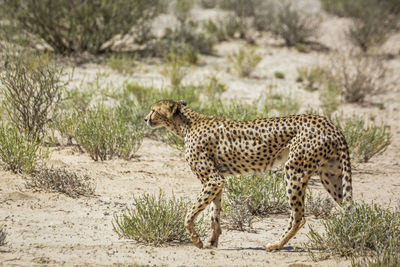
(182, 102)
(173, 106)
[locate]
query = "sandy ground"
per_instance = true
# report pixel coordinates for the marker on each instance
(53, 229)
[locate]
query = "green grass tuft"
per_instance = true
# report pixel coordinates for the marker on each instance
(156, 220)
(359, 229)
(19, 153)
(365, 140)
(253, 195)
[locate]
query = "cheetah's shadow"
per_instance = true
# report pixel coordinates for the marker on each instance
(285, 249)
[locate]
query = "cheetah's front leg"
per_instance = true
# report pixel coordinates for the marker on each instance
(209, 192)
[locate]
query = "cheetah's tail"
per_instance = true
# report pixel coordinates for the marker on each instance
(346, 170)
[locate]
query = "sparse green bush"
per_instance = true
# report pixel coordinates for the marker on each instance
(188, 38)
(182, 8)
(65, 122)
(124, 64)
(388, 256)
(370, 31)
(216, 29)
(233, 110)
(175, 69)
(244, 61)
(311, 77)
(318, 206)
(19, 153)
(221, 29)
(62, 181)
(241, 8)
(364, 140)
(156, 220)
(213, 88)
(208, 3)
(260, 194)
(134, 94)
(235, 26)
(70, 26)
(279, 75)
(107, 132)
(78, 98)
(374, 20)
(359, 229)
(344, 8)
(359, 76)
(294, 26)
(3, 236)
(279, 105)
(329, 96)
(237, 214)
(32, 86)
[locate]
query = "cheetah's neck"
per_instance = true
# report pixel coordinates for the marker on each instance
(184, 120)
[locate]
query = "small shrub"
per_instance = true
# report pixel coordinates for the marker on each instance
(260, 194)
(65, 119)
(364, 140)
(70, 26)
(357, 230)
(359, 76)
(233, 110)
(32, 87)
(388, 255)
(213, 88)
(188, 36)
(134, 94)
(279, 105)
(311, 77)
(208, 3)
(182, 8)
(241, 8)
(244, 61)
(279, 75)
(3, 236)
(122, 63)
(19, 153)
(237, 213)
(216, 29)
(107, 132)
(370, 31)
(156, 220)
(235, 26)
(79, 98)
(374, 20)
(329, 96)
(66, 123)
(286, 21)
(175, 69)
(318, 206)
(62, 181)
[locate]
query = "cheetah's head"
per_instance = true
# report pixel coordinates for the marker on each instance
(162, 113)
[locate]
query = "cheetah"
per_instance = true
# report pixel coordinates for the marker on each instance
(218, 147)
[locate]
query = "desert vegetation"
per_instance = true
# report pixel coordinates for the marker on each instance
(78, 77)
(365, 230)
(156, 219)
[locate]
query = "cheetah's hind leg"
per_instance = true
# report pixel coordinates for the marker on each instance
(215, 222)
(296, 182)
